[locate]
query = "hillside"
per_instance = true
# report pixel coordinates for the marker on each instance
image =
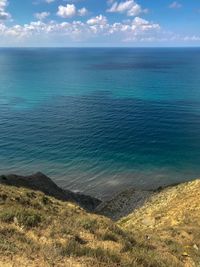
(39, 230)
(41, 182)
(170, 220)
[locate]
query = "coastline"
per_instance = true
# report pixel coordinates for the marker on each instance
(106, 187)
(116, 206)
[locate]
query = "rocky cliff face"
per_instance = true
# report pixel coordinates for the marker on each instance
(124, 203)
(41, 182)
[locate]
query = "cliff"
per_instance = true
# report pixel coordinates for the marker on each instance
(41, 182)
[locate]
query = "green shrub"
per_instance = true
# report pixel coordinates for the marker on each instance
(109, 236)
(3, 197)
(7, 215)
(24, 217)
(89, 224)
(28, 218)
(45, 200)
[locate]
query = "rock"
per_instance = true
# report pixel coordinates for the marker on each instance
(15, 221)
(123, 203)
(149, 221)
(195, 247)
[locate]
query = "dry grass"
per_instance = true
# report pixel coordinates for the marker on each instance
(171, 222)
(36, 230)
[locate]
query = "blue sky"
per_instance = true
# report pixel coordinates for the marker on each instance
(99, 23)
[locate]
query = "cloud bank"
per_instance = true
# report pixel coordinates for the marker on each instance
(94, 28)
(67, 24)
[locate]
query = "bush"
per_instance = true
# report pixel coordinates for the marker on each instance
(7, 216)
(24, 217)
(28, 218)
(3, 197)
(89, 224)
(45, 200)
(109, 236)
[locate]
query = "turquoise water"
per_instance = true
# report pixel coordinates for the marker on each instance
(99, 120)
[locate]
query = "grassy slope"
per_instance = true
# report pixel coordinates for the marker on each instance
(171, 222)
(36, 230)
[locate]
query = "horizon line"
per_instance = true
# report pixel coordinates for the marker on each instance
(19, 47)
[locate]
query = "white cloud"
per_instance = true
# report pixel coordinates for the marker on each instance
(3, 4)
(134, 10)
(82, 12)
(101, 20)
(136, 30)
(42, 15)
(192, 38)
(67, 11)
(98, 25)
(76, 31)
(3, 14)
(97, 29)
(70, 10)
(130, 7)
(175, 5)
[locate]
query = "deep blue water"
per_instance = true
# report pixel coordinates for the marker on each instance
(99, 120)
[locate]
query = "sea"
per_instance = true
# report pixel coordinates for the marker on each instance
(101, 120)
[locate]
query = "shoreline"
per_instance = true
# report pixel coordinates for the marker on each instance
(116, 206)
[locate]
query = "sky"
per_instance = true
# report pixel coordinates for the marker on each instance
(82, 23)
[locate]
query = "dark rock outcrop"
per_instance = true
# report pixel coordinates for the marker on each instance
(41, 182)
(124, 203)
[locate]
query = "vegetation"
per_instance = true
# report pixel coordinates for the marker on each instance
(37, 230)
(170, 221)
(22, 217)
